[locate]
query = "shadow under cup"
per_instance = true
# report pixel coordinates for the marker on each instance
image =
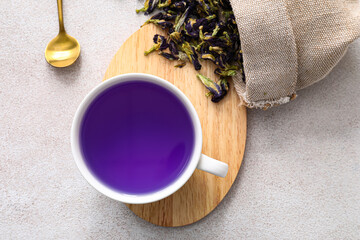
(136, 137)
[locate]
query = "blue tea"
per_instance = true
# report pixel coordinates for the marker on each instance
(137, 137)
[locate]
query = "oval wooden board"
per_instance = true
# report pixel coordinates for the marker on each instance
(223, 125)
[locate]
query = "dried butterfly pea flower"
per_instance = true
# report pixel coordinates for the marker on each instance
(217, 90)
(211, 17)
(216, 30)
(199, 30)
(149, 6)
(182, 19)
(213, 5)
(143, 9)
(166, 3)
(191, 53)
(208, 26)
(168, 56)
(205, 7)
(195, 60)
(160, 44)
(216, 42)
(190, 29)
(225, 4)
(164, 24)
(219, 60)
(176, 37)
(173, 49)
(183, 56)
(180, 65)
(225, 72)
(200, 22)
(160, 39)
(227, 14)
(164, 16)
(152, 5)
(180, 5)
(208, 56)
(224, 85)
(216, 49)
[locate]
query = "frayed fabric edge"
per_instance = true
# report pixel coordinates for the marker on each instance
(263, 104)
(266, 104)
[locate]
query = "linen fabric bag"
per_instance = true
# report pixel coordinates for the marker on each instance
(290, 44)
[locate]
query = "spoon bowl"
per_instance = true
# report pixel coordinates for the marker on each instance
(62, 51)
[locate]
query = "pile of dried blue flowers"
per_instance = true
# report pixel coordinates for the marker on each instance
(198, 30)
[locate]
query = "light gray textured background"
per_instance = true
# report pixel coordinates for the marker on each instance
(300, 177)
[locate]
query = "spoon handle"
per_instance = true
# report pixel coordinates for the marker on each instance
(60, 12)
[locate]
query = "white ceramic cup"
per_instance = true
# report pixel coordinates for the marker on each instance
(197, 160)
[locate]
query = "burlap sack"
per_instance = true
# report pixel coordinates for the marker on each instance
(290, 44)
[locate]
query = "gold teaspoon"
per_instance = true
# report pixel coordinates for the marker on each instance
(63, 50)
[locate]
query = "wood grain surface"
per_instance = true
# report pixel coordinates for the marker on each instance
(223, 125)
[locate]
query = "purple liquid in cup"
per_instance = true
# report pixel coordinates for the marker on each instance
(137, 137)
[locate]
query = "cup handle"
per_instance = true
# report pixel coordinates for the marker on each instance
(212, 166)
